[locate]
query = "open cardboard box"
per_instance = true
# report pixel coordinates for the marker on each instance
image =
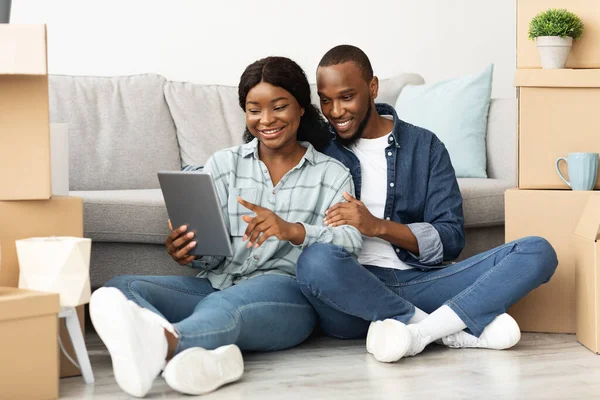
(587, 274)
(553, 215)
(25, 115)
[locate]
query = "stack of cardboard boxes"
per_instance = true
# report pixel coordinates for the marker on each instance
(28, 320)
(559, 113)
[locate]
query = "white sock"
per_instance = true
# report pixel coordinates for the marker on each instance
(442, 322)
(419, 316)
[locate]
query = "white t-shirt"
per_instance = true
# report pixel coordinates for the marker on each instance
(373, 164)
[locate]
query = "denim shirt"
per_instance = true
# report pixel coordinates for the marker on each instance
(422, 191)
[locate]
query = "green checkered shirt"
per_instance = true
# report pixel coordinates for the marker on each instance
(303, 195)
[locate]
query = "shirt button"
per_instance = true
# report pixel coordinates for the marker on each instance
(392, 184)
(397, 250)
(273, 191)
(391, 138)
(265, 171)
(255, 257)
(389, 153)
(388, 218)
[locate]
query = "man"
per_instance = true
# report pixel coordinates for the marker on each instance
(399, 293)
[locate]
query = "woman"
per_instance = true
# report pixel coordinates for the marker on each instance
(274, 191)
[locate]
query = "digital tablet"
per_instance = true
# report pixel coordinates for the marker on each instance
(191, 199)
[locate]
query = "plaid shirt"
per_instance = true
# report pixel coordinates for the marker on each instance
(303, 195)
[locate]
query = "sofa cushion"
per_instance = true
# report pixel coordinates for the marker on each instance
(483, 201)
(140, 216)
(127, 216)
(456, 110)
(501, 141)
(208, 118)
(120, 130)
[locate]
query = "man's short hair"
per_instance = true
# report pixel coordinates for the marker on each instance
(345, 53)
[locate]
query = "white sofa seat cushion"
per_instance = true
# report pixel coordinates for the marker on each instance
(140, 216)
(483, 201)
(126, 216)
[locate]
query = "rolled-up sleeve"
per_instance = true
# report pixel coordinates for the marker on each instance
(431, 250)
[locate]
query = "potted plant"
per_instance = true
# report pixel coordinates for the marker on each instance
(554, 31)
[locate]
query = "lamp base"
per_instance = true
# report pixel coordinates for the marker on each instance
(70, 314)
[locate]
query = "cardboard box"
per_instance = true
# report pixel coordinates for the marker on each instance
(587, 274)
(558, 114)
(59, 216)
(25, 115)
(584, 53)
(28, 344)
(553, 215)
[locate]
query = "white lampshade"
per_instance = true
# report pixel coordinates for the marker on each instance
(57, 265)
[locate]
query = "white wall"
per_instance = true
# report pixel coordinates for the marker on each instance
(212, 41)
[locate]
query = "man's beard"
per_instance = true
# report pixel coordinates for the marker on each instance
(359, 132)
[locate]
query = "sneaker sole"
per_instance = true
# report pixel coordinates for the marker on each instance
(199, 371)
(112, 316)
(388, 340)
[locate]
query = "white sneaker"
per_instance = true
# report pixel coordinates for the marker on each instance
(417, 342)
(134, 338)
(502, 333)
(388, 340)
(198, 371)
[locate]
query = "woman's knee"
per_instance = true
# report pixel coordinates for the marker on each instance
(130, 285)
(120, 282)
(545, 259)
(316, 263)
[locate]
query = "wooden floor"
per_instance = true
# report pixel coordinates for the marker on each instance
(547, 366)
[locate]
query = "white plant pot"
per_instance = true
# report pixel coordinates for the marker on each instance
(554, 50)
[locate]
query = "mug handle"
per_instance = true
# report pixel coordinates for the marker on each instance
(558, 170)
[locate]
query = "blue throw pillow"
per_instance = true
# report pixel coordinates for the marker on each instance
(456, 110)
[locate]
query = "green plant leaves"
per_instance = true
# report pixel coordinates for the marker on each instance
(556, 22)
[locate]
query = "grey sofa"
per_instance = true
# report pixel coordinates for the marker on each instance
(122, 130)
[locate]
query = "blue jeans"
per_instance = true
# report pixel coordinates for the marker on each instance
(348, 296)
(265, 313)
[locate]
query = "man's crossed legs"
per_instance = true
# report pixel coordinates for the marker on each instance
(354, 301)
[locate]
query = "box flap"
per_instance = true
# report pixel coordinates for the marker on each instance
(23, 50)
(589, 222)
(18, 303)
(583, 78)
